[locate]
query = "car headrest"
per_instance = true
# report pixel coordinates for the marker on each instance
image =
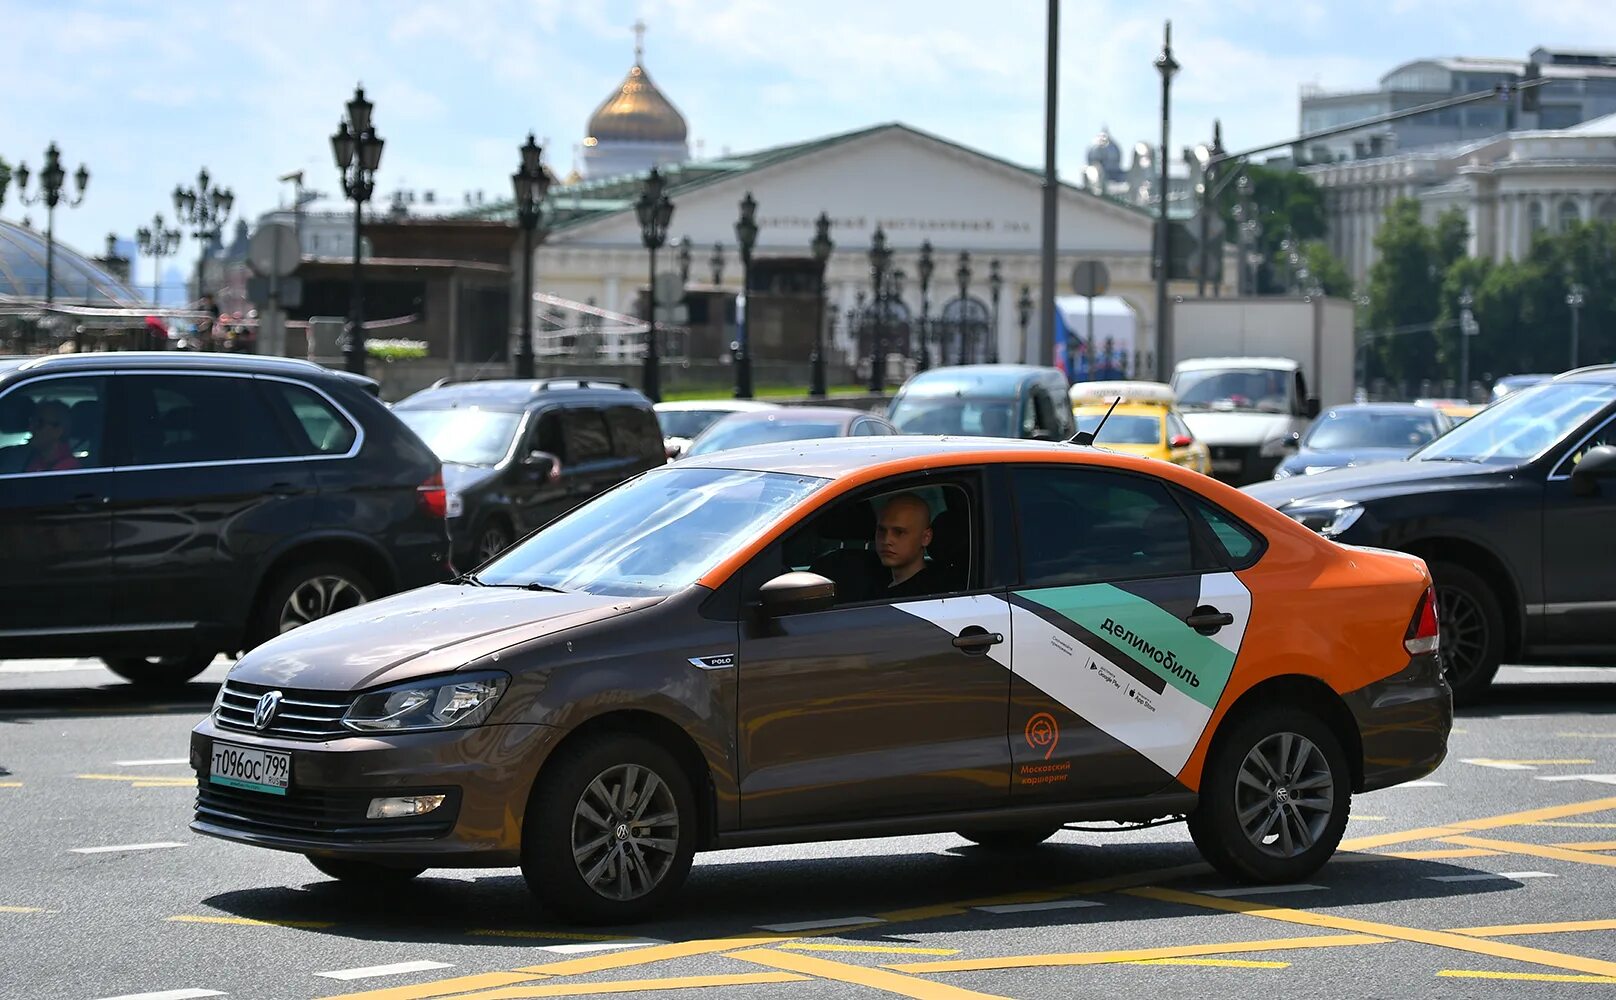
(950, 537)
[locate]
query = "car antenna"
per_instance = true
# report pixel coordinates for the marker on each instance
(1086, 438)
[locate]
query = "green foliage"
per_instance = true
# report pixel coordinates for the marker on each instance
(1289, 206)
(396, 350)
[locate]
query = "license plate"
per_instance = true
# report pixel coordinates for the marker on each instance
(1226, 465)
(254, 770)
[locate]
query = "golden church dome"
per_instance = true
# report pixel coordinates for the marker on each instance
(637, 112)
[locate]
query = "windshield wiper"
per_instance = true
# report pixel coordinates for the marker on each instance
(1446, 458)
(470, 579)
(544, 587)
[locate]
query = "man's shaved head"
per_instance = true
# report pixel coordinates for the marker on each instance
(902, 533)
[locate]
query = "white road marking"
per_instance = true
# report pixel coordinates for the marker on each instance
(814, 925)
(1488, 876)
(50, 667)
(128, 847)
(1261, 890)
(1502, 765)
(588, 946)
(1057, 904)
(151, 763)
(1421, 784)
(1563, 670)
(169, 995)
(1604, 779)
(396, 969)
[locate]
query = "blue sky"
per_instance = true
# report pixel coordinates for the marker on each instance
(145, 93)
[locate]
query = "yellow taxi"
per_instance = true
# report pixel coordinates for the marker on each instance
(1146, 422)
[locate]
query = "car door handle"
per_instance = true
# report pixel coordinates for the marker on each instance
(1207, 620)
(90, 501)
(976, 639)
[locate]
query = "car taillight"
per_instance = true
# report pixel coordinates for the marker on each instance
(434, 499)
(1422, 634)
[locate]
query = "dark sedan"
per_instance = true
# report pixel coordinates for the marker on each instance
(1513, 510)
(1362, 435)
(794, 423)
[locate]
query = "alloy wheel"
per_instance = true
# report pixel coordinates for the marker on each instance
(492, 543)
(1284, 795)
(625, 832)
(317, 597)
(1464, 633)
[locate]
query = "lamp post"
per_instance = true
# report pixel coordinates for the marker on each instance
(51, 181)
(1166, 65)
(716, 262)
(532, 184)
(995, 285)
(1250, 231)
(822, 247)
(684, 262)
(358, 152)
(927, 266)
(962, 273)
(880, 260)
(654, 211)
(1024, 313)
(1468, 327)
(746, 231)
(1574, 300)
(203, 209)
(157, 242)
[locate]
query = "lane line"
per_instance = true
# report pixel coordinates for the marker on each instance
(169, 995)
(23, 909)
(1527, 762)
(1588, 845)
(1530, 977)
(1535, 850)
(869, 949)
(817, 925)
(163, 845)
(1454, 852)
(656, 953)
(1137, 954)
(1501, 765)
(1421, 784)
(859, 975)
(636, 986)
(151, 763)
(395, 969)
(312, 925)
(1563, 927)
(10, 784)
(443, 987)
(1261, 890)
(1057, 904)
(586, 947)
(1215, 963)
(1490, 823)
(1441, 939)
(1488, 876)
(1588, 736)
(1603, 779)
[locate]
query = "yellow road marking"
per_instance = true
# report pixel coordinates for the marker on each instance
(871, 949)
(1490, 823)
(638, 986)
(1136, 954)
(858, 975)
(10, 784)
(22, 909)
(1576, 825)
(658, 953)
(1588, 845)
(1215, 963)
(250, 922)
(1456, 852)
(1531, 977)
(545, 935)
(1563, 927)
(1441, 939)
(441, 988)
(1535, 850)
(141, 780)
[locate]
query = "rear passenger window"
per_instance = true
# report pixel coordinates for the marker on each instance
(185, 419)
(587, 438)
(635, 433)
(1236, 540)
(1082, 526)
(322, 428)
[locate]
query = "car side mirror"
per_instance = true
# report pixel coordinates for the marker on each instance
(541, 466)
(796, 593)
(1311, 408)
(1180, 441)
(1598, 464)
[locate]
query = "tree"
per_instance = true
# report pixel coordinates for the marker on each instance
(1404, 289)
(1290, 206)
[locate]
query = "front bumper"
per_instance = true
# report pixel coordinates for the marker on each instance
(1403, 722)
(485, 772)
(1241, 465)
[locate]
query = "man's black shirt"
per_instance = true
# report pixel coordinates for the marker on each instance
(925, 582)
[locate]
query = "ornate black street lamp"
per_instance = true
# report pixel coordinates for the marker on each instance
(927, 265)
(532, 184)
(880, 261)
(995, 285)
(203, 210)
(358, 152)
(1166, 65)
(822, 247)
(746, 232)
(716, 262)
(157, 241)
(684, 262)
(963, 275)
(51, 181)
(654, 211)
(1024, 315)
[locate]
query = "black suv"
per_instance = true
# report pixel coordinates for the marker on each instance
(1514, 510)
(519, 452)
(157, 509)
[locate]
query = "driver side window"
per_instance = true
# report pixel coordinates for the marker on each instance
(1606, 434)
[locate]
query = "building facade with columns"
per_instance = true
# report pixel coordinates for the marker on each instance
(1510, 187)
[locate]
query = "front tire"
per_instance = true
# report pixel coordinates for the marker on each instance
(159, 671)
(1274, 797)
(364, 874)
(610, 830)
(306, 593)
(1472, 623)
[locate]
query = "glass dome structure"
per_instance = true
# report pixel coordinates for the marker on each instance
(75, 278)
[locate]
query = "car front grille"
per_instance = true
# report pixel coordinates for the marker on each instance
(308, 814)
(303, 715)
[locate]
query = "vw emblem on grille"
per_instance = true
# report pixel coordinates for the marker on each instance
(264, 711)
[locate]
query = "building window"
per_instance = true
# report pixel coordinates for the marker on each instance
(1569, 216)
(1607, 211)
(1534, 217)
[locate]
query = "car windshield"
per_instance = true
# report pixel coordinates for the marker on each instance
(1522, 425)
(654, 535)
(1266, 390)
(740, 433)
(687, 423)
(955, 415)
(464, 436)
(1343, 429)
(1122, 429)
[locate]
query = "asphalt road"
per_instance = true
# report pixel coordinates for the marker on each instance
(1453, 887)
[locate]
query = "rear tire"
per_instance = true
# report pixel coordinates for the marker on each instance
(1009, 840)
(308, 592)
(1472, 622)
(159, 671)
(364, 874)
(1274, 797)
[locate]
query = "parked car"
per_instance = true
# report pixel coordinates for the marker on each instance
(675, 667)
(788, 423)
(1515, 383)
(518, 453)
(683, 420)
(1145, 422)
(1513, 510)
(157, 509)
(1362, 434)
(1014, 401)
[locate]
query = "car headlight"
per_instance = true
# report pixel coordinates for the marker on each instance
(1328, 519)
(433, 703)
(1275, 447)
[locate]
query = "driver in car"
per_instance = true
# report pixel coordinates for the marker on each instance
(902, 533)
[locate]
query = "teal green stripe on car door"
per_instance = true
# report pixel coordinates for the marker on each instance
(1154, 638)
